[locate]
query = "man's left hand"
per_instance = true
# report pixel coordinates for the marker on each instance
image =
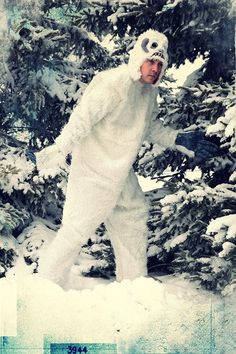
(195, 144)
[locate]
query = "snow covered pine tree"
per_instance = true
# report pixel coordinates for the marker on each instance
(40, 82)
(53, 37)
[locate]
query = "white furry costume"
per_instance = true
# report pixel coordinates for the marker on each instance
(104, 133)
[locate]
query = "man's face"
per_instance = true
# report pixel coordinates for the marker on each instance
(150, 71)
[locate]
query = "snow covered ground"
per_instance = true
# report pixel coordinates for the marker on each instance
(167, 315)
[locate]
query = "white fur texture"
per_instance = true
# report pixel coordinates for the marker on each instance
(105, 133)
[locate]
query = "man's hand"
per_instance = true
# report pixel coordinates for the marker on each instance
(195, 144)
(50, 161)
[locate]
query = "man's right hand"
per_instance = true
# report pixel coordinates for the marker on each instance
(50, 161)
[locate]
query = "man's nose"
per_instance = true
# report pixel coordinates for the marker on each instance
(155, 67)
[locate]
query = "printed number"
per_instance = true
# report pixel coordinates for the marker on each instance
(74, 349)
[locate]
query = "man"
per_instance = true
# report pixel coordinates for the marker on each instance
(104, 134)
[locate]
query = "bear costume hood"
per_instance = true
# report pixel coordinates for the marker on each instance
(149, 45)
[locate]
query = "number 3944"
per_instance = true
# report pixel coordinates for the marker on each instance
(74, 349)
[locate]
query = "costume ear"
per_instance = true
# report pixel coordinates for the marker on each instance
(144, 45)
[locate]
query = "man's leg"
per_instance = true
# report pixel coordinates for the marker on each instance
(127, 230)
(89, 201)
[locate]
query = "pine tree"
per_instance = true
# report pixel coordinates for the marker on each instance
(56, 48)
(50, 61)
(47, 63)
(179, 239)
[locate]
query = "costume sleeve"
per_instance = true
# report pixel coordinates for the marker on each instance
(160, 134)
(97, 102)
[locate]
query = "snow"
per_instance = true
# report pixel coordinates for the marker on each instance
(225, 127)
(176, 241)
(56, 85)
(114, 17)
(108, 42)
(153, 250)
(231, 127)
(215, 128)
(184, 72)
(224, 230)
(170, 316)
(227, 248)
(171, 4)
(233, 177)
(219, 237)
(164, 316)
(51, 162)
(17, 169)
(174, 198)
(222, 190)
(8, 308)
(167, 312)
(197, 194)
(213, 99)
(194, 175)
(148, 184)
(86, 262)
(216, 224)
(8, 242)
(34, 237)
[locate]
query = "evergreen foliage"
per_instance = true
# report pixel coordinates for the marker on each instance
(55, 49)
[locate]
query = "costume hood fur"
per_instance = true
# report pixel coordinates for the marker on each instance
(150, 45)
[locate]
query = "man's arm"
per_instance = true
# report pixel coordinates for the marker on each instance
(98, 101)
(160, 134)
(191, 143)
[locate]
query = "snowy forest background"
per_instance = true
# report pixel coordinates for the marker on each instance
(50, 50)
